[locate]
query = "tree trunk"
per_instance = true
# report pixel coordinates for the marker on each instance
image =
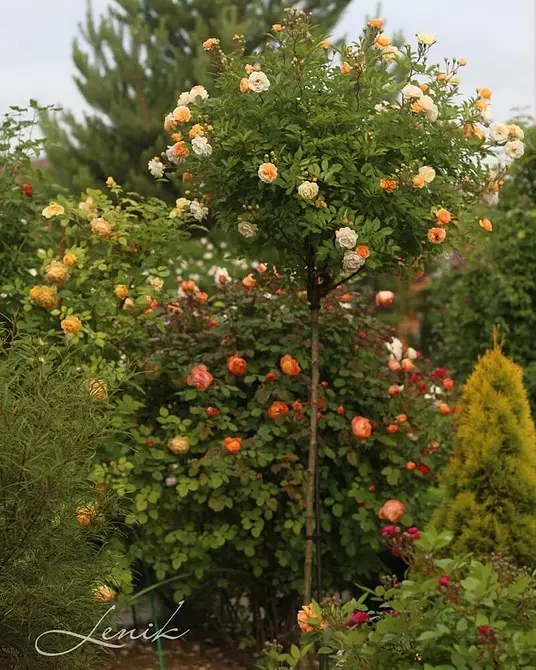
(313, 458)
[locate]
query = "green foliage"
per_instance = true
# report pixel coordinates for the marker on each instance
(206, 511)
(492, 285)
(490, 484)
(479, 617)
(50, 429)
(340, 135)
(131, 62)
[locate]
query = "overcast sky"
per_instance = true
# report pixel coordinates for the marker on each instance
(496, 37)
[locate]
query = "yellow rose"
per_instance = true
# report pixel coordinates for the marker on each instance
(71, 325)
(56, 272)
(196, 129)
(426, 38)
(244, 85)
(179, 445)
(382, 41)
(110, 182)
(121, 291)
(418, 181)
(44, 296)
(104, 594)
(53, 209)
(69, 258)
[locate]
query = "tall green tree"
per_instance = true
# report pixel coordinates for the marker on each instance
(130, 63)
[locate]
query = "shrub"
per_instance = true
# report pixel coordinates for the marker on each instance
(449, 613)
(490, 484)
(220, 468)
(52, 519)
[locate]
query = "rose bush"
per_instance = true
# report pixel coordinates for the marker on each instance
(220, 466)
(448, 614)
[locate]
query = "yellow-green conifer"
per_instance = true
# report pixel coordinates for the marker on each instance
(490, 484)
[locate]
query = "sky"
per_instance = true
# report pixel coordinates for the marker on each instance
(496, 37)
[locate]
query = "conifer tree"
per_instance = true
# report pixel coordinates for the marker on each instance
(490, 484)
(130, 63)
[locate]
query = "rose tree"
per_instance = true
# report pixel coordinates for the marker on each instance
(329, 161)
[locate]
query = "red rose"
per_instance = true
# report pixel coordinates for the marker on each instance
(28, 190)
(423, 469)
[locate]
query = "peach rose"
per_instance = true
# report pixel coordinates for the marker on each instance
(486, 225)
(182, 114)
(179, 445)
(104, 594)
(388, 185)
(71, 325)
(56, 273)
(418, 181)
(200, 377)
(393, 364)
(407, 365)
(346, 68)
(361, 428)
(325, 44)
(384, 298)
(244, 85)
(392, 510)
(376, 23)
(237, 366)
(249, 282)
(304, 615)
(267, 173)
(443, 216)
(233, 444)
(382, 41)
(277, 409)
(209, 44)
(436, 235)
(290, 366)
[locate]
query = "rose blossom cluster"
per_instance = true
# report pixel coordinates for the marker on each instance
(400, 542)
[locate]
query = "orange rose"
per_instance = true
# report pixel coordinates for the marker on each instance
(325, 44)
(200, 377)
(363, 250)
(71, 325)
(233, 444)
(304, 615)
(394, 389)
(182, 114)
(376, 23)
(402, 418)
(418, 181)
(382, 41)
(290, 366)
(249, 282)
(196, 129)
(345, 68)
(486, 225)
(277, 28)
(388, 185)
(244, 85)
(392, 428)
(437, 235)
(392, 510)
(361, 428)
(484, 93)
(443, 216)
(448, 384)
(237, 366)
(69, 259)
(85, 515)
(277, 409)
(407, 365)
(410, 466)
(424, 87)
(189, 286)
(44, 296)
(201, 296)
(209, 44)
(443, 409)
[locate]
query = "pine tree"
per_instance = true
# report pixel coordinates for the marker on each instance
(135, 62)
(490, 484)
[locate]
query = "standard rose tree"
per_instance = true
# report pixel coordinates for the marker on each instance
(326, 160)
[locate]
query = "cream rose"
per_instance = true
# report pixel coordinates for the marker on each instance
(198, 211)
(429, 107)
(308, 190)
(352, 261)
(515, 149)
(426, 38)
(499, 132)
(412, 92)
(247, 229)
(258, 82)
(516, 132)
(427, 173)
(346, 238)
(198, 92)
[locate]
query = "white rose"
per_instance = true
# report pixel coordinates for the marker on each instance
(499, 132)
(491, 198)
(247, 229)
(352, 261)
(395, 348)
(429, 107)
(184, 99)
(308, 190)
(426, 38)
(515, 148)
(200, 146)
(156, 167)
(258, 82)
(410, 92)
(346, 238)
(198, 92)
(198, 211)
(516, 132)
(427, 173)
